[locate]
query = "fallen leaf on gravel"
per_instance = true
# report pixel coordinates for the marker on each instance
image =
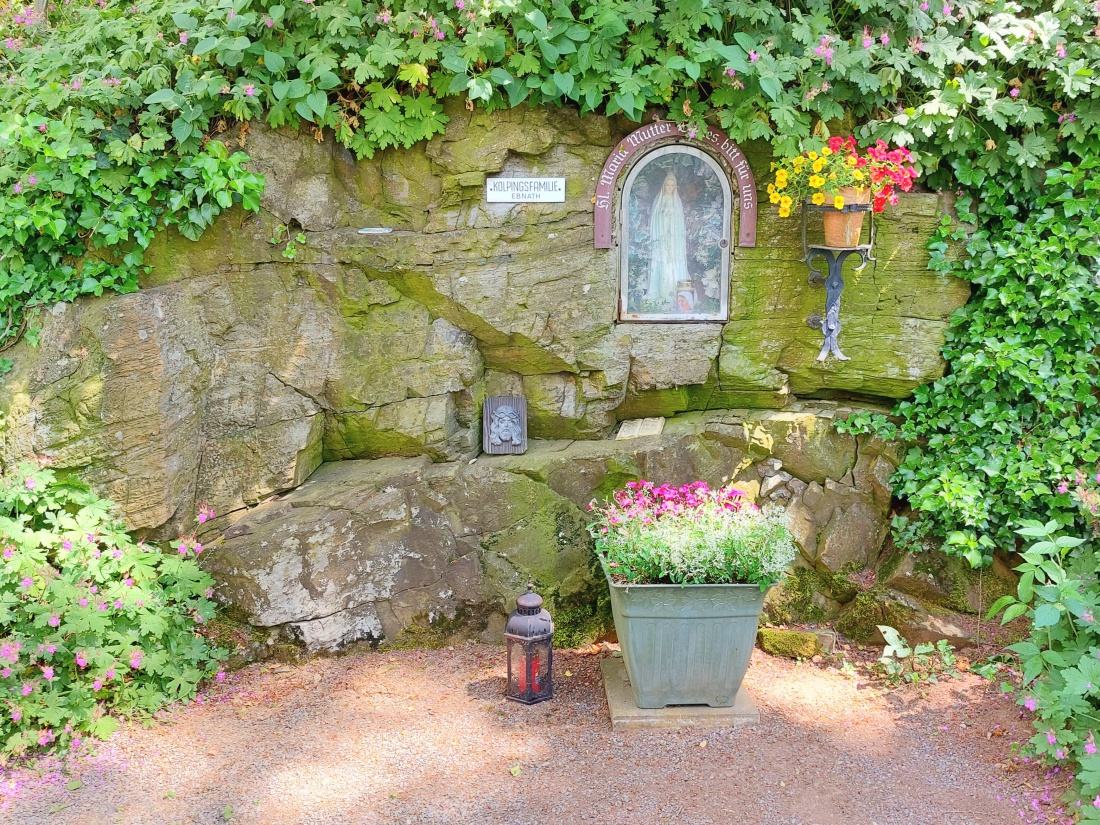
(514, 770)
(75, 785)
(568, 673)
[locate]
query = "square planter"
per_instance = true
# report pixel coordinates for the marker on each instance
(686, 644)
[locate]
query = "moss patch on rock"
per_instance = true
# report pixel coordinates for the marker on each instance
(793, 599)
(861, 616)
(793, 644)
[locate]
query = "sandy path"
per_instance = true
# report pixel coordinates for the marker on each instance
(425, 737)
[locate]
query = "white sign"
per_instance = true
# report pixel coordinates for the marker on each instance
(525, 190)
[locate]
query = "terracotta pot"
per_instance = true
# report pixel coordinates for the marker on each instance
(842, 228)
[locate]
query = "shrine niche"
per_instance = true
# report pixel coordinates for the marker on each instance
(674, 222)
(674, 238)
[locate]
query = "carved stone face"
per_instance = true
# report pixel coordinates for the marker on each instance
(505, 426)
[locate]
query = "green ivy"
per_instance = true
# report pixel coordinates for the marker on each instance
(999, 438)
(110, 109)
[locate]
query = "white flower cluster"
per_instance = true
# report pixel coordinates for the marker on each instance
(708, 545)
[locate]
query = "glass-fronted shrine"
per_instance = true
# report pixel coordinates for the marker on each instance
(675, 238)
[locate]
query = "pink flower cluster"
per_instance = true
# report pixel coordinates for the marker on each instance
(644, 502)
(889, 168)
(194, 547)
(10, 652)
(824, 49)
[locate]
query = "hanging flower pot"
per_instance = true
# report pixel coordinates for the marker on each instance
(837, 177)
(842, 228)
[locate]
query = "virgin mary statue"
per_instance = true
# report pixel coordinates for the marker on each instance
(668, 244)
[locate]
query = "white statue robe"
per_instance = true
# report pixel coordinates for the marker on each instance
(668, 247)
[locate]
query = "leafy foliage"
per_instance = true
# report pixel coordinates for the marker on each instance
(110, 106)
(1058, 591)
(90, 620)
(924, 662)
(1017, 414)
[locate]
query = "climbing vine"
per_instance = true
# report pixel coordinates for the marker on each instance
(114, 111)
(1001, 437)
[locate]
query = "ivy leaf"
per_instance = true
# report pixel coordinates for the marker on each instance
(480, 88)
(274, 61)
(564, 82)
(163, 97)
(207, 44)
(537, 19)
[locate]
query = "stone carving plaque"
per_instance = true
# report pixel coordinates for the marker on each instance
(504, 425)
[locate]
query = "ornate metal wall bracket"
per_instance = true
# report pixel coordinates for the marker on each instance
(833, 277)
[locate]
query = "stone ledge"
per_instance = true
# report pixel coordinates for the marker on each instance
(625, 715)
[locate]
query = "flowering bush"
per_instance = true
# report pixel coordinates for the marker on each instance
(90, 620)
(690, 535)
(1059, 593)
(820, 177)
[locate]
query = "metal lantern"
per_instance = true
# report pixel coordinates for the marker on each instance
(530, 634)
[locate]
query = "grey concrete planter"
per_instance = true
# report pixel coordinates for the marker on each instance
(686, 644)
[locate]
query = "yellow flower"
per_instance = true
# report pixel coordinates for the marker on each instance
(832, 176)
(826, 151)
(857, 175)
(819, 164)
(816, 181)
(774, 197)
(781, 175)
(818, 198)
(784, 213)
(771, 188)
(781, 184)
(797, 162)
(838, 202)
(812, 155)
(785, 202)
(851, 160)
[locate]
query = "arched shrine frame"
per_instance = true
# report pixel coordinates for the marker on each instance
(635, 142)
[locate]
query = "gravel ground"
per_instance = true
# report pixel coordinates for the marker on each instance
(424, 736)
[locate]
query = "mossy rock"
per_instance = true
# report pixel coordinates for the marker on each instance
(793, 644)
(861, 617)
(793, 600)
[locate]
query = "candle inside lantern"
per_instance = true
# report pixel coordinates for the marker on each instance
(533, 678)
(530, 633)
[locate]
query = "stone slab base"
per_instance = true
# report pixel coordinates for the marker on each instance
(625, 715)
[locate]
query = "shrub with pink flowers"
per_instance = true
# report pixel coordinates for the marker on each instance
(650, 534)
(92, 622)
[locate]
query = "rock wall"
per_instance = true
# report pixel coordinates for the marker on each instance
(369, 550)
(236, 371)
